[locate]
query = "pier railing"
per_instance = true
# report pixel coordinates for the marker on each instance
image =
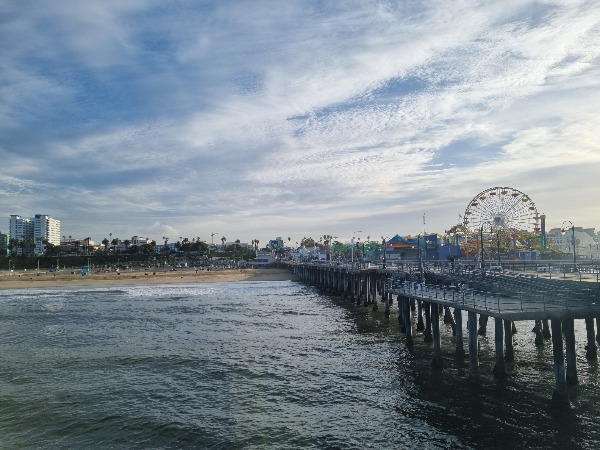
(501, 303)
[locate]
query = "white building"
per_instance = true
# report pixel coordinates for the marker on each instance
(21, 229)
(45, 228)
(586, 242)
(37, 230)
(139, 241)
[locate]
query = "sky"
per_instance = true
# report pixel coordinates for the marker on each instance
(257, 119)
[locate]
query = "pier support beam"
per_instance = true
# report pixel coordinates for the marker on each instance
(420, 324)
(591, 350)
(473, 350)
(483, 320)
(400, 319)
(374, 294)
(539, 337)
(428, 307)
(546, 329)
(407, 323)
(448, 319)
(509, 353)
(386, 301)
(437, 362)
(560, 395)
(460, 349)
(499, 367)
(569, 329)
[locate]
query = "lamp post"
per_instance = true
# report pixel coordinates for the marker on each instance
(383, 241)
(352, 241)
(422, 275)
(563, 230)
(482, 246)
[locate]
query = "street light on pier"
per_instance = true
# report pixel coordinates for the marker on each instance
(421, 265)
(383, 241)
(352, 241)
(563, 230)
(489, 226)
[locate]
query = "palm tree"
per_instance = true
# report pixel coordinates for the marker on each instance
(105, 242)
(13, 244)
(223, 240)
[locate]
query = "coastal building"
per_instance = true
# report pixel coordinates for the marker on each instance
(20, 229)
(263, 259)
(32, 234)
(71, 245)
(139, 241)
(45, 229)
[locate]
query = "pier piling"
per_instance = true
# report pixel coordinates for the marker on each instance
(473, 350)
(591, 350)
(420, 324)
(428, 307)
(569, 330)
(460, 349)
(407, 323)
(509, 353)
(560, 395)
(437, 362)
(499, 367)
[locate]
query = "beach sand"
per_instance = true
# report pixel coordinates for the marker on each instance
(29, 280)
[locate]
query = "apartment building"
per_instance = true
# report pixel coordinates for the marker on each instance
(34, 231)
(45, 228)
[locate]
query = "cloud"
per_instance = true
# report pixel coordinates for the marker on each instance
(251, 117)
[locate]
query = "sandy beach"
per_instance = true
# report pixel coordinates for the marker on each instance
(29, 280)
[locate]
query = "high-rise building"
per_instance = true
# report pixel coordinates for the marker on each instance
(21, 229)
(32, 233)
(45, 228)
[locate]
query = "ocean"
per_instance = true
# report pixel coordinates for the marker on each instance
(263, 365)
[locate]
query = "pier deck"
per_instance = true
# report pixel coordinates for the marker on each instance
(517, 306)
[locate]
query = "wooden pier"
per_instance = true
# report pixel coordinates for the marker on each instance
(552, 305)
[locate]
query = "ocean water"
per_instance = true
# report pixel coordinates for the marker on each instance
(263, 365)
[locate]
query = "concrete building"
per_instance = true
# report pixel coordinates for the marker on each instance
(139, 241)
(33, 232)
(21, 229)
(45, 228)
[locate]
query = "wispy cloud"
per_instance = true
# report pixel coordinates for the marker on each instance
(265, 118)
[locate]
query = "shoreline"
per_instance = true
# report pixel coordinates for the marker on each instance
(33, 280)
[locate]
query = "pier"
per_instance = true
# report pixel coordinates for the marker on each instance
(442, 293)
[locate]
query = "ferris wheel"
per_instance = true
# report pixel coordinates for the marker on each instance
(504, 208)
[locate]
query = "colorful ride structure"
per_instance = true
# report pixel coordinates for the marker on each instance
(503, 222)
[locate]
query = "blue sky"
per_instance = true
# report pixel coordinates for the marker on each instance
(256, 119)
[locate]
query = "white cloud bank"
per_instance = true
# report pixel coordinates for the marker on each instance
(259, 119)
